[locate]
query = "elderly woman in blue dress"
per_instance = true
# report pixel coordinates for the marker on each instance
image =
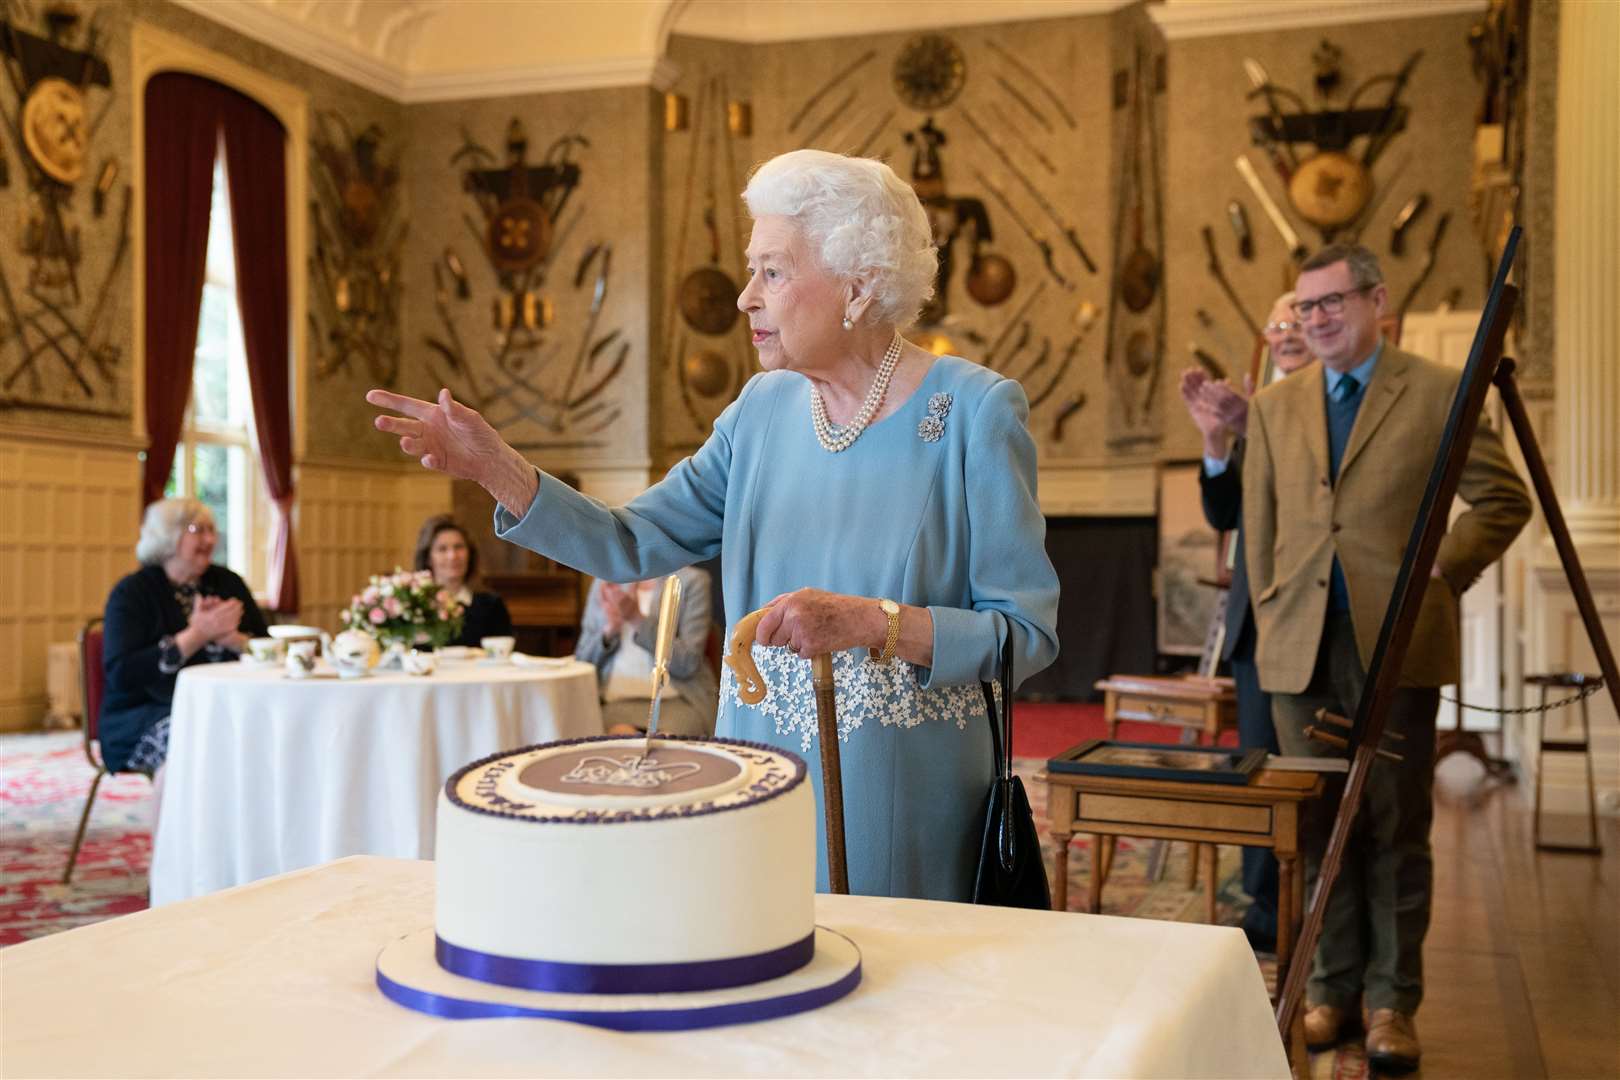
(879, 500)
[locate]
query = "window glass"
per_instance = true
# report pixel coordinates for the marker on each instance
(215, 462)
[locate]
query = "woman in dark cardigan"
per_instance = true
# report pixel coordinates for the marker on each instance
(442, 547)
(178, 609)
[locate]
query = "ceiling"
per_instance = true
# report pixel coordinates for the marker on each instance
(428, 50)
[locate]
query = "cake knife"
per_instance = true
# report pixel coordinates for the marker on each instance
(669, 611)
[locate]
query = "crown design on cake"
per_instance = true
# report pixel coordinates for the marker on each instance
(633, 770)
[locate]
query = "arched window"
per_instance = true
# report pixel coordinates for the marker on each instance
(216, 258)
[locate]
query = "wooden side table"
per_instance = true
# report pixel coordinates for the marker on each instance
(1265, 812)
(1202, 707)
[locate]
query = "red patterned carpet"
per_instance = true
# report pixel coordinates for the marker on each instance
(43, 782)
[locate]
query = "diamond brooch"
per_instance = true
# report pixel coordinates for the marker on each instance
(933, 425)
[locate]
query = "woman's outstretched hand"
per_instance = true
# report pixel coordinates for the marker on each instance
(449, 437)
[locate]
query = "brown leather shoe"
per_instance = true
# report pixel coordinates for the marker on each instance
(1323, 1024)
(1392, 1042)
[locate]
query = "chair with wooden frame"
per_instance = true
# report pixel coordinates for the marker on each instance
(93, 682)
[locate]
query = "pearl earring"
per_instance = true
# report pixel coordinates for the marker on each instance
(847, 324)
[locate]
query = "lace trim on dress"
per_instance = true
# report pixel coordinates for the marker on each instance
(888, 694)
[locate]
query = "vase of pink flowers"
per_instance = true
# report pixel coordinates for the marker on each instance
(404, 610)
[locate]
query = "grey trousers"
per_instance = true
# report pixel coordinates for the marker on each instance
(1376, 919)
(675, 717)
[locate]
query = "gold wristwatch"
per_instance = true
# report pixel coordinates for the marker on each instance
(892, 611)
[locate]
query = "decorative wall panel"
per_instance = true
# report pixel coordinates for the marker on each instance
(69, 515)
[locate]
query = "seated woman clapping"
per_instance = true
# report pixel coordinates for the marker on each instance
(443, 547)
(618, 634)
(178, 609)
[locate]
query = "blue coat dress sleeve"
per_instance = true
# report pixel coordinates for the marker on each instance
(675, 523)
(1012, 586)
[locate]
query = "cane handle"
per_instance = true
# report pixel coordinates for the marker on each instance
(751, 686)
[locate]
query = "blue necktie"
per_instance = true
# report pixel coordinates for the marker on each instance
(1341, 418)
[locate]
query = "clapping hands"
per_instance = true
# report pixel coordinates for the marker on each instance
(1217, 408)
(216, 619)
(619, 606)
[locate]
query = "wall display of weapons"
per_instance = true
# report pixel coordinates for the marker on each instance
(1281, 142)
(63, 270)
(358, 234)
(707, 354)
(538, 377)
(985, 123)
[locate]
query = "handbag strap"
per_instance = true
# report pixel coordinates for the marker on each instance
(1001, 725)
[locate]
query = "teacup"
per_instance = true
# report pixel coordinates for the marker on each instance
(498, 649)
(417, 662)
(301, 658)
(266, 650)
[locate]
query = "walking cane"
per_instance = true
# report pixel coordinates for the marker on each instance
(751, 689)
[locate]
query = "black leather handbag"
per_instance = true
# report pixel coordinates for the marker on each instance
(1011, 871)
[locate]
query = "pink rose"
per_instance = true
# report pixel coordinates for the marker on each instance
(378, 616)
(392, 605)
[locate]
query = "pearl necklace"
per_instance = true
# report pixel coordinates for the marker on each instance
(836, 438)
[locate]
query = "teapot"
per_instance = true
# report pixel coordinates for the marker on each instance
(353, 653)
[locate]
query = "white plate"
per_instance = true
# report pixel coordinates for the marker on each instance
(290, 631)
(459, 652)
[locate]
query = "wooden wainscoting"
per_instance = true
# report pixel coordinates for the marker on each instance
(69, 516)
(354, 521)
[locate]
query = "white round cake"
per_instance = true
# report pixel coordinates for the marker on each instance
(698, 858)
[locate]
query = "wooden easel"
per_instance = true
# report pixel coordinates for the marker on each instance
(1485, 366)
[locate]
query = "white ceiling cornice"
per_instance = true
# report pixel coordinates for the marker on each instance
(305, 41)
(660, 74)
(372, 44)
(1212, 18)
(760, 23)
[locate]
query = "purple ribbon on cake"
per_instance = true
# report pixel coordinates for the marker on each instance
(563, 978)
(672, 1019)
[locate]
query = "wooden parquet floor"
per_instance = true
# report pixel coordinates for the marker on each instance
(1522, 961)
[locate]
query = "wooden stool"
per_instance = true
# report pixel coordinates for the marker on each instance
(1569, 680)
(1202, 707)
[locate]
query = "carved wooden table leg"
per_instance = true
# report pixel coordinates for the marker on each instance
(1098, 872)
(1060, 870)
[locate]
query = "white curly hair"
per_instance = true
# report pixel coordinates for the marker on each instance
(860, 219)
(162, 526)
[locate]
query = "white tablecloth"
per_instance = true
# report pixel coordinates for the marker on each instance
(268, 774)
(277, 979)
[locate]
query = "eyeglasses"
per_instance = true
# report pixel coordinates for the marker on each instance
(202, 528)
(1281, 327)
(1331, 304)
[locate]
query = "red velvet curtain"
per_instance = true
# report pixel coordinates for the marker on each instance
(182, 135)
(185, 118)
(255, 167)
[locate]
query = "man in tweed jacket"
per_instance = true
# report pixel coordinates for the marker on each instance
(1337, 461)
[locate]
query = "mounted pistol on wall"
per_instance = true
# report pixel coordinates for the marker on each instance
(63, 360)
(358, 237)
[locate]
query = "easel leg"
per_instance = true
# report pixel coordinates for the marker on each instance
(1541, 480)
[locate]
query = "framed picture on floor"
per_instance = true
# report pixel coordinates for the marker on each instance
(1187, 562)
